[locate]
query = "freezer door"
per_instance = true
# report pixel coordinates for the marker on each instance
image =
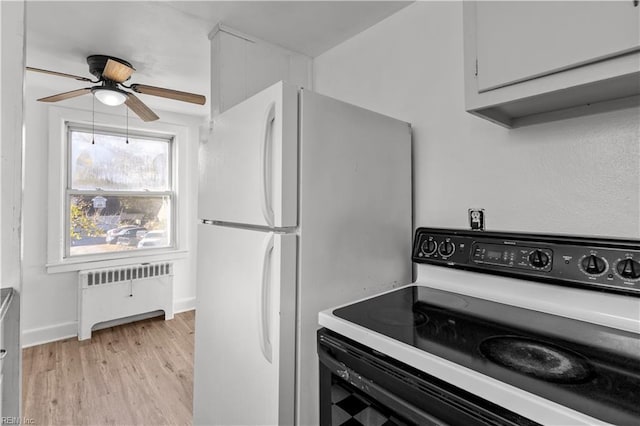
(248, 166)
(245, 327)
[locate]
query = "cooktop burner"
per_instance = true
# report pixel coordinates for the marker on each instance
(590, 368)
(538, 359)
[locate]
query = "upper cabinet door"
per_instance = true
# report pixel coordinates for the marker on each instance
(248, 167)
(518, 41)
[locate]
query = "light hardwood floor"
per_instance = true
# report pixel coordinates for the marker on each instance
(133, 374)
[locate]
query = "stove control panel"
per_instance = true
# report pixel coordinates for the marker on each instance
(596, 263)
(521, 257)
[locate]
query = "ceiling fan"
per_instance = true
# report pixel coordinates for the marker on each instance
(111, 73)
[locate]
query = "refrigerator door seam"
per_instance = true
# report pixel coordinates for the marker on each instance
(284, 230)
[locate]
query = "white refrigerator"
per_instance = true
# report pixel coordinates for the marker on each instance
(304, 204)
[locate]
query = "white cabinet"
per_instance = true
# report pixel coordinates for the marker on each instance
(518, 41)
(242, 66)
(3, 353)
(10, 362)
(527, 62)
(0, 392)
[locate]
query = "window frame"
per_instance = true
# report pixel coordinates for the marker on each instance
(183, 130)
(70, 192)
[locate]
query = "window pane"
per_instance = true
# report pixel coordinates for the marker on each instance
(101, 224)
(112, 164)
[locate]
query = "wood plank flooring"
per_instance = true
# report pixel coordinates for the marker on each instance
(133, 374)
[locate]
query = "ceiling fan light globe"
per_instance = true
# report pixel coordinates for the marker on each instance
(110, 97)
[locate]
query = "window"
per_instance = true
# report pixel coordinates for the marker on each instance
(119, 192)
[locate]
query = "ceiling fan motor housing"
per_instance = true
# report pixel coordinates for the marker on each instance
(98, 62)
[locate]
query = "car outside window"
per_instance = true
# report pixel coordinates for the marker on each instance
(119, 189)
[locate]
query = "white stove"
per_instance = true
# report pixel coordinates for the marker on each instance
(544, 304)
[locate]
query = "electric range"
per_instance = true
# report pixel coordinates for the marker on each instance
(499, 328)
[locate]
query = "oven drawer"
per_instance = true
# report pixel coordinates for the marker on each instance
(357, 383)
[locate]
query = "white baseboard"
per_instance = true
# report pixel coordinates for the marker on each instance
(184, 304)
(52, 333)
(39, 336)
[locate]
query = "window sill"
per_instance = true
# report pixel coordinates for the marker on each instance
(72, 265)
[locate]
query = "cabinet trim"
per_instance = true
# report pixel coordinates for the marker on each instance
(612, 83)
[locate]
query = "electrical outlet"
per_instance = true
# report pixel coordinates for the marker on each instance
(476, 219)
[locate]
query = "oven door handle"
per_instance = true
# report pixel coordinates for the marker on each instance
(386, 398)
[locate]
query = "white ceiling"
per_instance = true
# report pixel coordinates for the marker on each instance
(167, 41)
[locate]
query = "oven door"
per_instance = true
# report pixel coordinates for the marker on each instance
(359, 384)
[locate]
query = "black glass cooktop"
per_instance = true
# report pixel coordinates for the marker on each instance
(587, 367)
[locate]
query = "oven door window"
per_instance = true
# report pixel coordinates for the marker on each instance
(349, 406)
(360, 386)
(348, 398)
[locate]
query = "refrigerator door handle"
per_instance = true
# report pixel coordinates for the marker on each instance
(265, 163)
(265, 301)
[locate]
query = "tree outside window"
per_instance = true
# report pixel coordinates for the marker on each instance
(119, 190)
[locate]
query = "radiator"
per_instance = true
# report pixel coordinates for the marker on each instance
(120, 293)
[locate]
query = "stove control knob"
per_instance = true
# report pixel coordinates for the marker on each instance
(446, 248)
(428, 247)
(538, 259)
(629, 269)
(594, 265)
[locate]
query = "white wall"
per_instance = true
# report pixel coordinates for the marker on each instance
(576, 176)
(11, 79)
(12, 43)
(49, 299)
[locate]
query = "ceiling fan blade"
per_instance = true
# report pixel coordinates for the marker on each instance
(66, 95)
(168, 93)
(141, 110)
(59, 74)
(115, 71)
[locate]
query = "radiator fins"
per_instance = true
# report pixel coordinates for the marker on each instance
(127, 273)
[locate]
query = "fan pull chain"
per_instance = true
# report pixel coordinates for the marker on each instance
(93, 120)
(127, 112)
